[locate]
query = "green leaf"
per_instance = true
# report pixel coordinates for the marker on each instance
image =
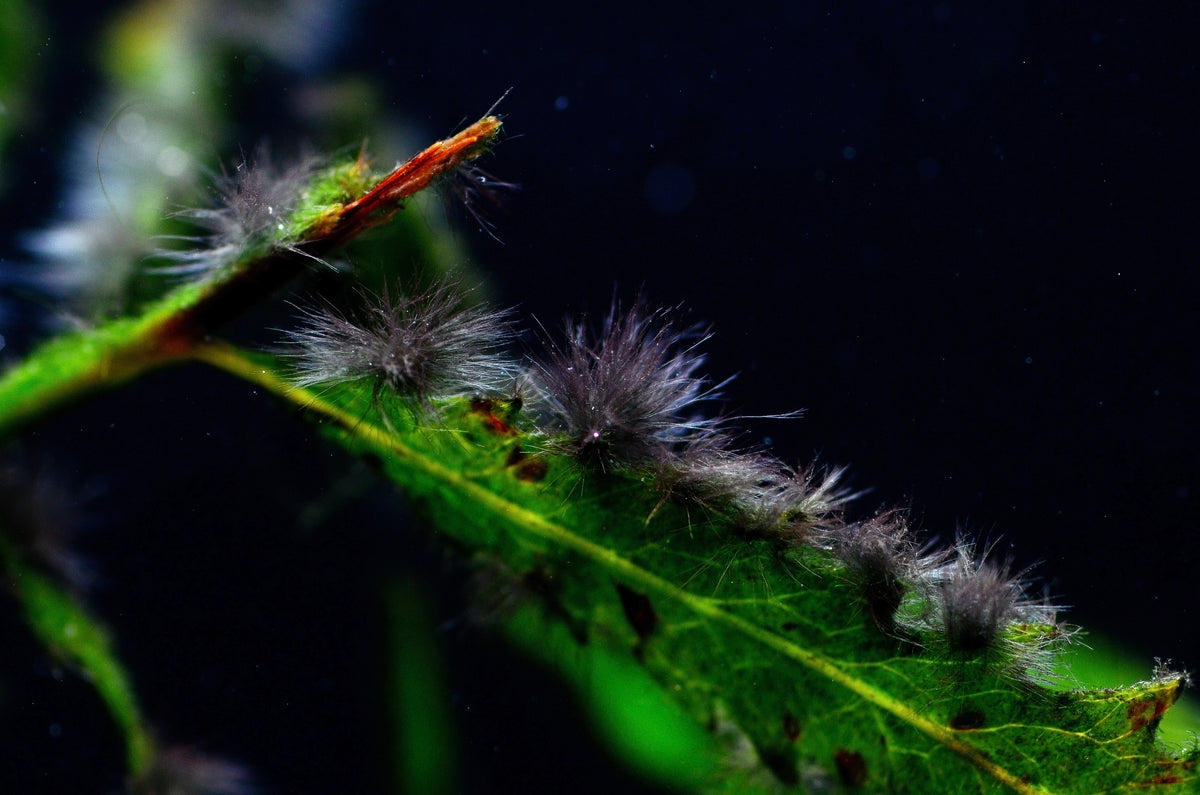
(19, 29)
(421, 751)
(76, 638)
(761, 643)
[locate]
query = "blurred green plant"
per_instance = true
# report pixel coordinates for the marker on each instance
(19, 32)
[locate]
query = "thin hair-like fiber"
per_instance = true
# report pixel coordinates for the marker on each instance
(430, 344)
(628, 393)
(980, 602)
(250, 204)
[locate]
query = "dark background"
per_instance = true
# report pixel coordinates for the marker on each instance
(962, 236)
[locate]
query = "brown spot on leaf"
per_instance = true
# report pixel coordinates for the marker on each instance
(851, 767)
(638, 611)
(532, 470)
(498, 426)
(1149, 710)
(791, 727)
(967, 720)
(486, 408)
